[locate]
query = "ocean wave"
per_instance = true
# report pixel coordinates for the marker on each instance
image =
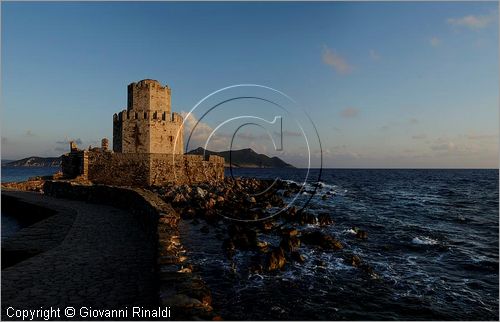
(423, 240)
(349, 231)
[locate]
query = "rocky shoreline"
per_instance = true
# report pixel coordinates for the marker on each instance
(240, 211)
(244, 209)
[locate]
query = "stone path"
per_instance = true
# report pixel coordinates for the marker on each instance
(104, 260)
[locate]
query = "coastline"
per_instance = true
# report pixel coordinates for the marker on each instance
(275, 258)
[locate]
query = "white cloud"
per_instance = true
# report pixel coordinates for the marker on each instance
(200, 132)
(374, 55)
(472, 21)
(435, 41)
(250, 136)
(349, 112)
(332, 59)
(481, 136)
(290, 133)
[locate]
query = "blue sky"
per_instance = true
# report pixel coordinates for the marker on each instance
(387, 84)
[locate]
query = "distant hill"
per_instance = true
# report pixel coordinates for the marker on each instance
(35, 162)
(246, 158)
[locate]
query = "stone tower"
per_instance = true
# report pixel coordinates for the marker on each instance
(148, 125)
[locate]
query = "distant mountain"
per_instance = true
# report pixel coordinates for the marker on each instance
(246, 158)
(35, 162)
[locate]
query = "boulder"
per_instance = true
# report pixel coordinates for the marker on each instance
(189, 212)
(251, 200)
(242, 237)
(275, 260)
(210, 203)
(297, 257)
(361, 234)
(322, 240)
(200, 193)
(267, 225)
(289, 232)
(263, 246)
(290, 244)
(181, 301)
(353, 260)
(229, 248)
(306, 218)
(325, 219)
(179, 198)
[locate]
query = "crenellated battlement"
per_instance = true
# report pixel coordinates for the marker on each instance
(147, 83)
(148, 95)
(150, 116)
(148, 125)
(177, 118)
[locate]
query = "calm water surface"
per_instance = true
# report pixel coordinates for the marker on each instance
(10, 225)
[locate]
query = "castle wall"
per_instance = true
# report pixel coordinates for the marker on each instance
(117, 133)
(148, 132)
(164, 134)
(121, 169)
(75, 164)
(185, 169)
(147, 169)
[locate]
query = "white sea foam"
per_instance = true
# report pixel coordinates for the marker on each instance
(349, 231)
(422, 240)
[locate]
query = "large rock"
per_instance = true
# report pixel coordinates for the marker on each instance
(361, 234)
(322, 240)
(306, 218)
(229, 248)
(297, 257)
(243, 237)
(353, 260)
(200, 193)
(290, 244)
(289, 232)
(275, 260)
(325, 219)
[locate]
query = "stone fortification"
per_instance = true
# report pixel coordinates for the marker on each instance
(148, 146)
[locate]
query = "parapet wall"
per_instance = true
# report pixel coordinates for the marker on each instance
(143, 169)
(179, 288)
(185, 169)
(148, 132)
(148, 115)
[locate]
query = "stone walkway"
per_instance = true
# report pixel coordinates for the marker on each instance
(104, 260)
